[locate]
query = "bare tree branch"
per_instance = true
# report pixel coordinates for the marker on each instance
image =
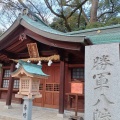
(50, 7)
(79, 6)
(43, 18)
(107, 12)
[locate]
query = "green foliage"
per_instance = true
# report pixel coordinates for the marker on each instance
(94, 25)
(113, 21)
(59, 23)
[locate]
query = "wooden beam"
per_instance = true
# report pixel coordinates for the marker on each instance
(10, 38)
(23, 55)
(10, 87)
(54, 43)
(75, 65)
(8, 54)
(22, 46)
(78, 54)
(15, 44)
(62, 87)
(48, 53)
(6, 67)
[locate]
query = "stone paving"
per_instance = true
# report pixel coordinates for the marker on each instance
(38, 113)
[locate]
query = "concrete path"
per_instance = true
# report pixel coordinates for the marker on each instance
(38, 113)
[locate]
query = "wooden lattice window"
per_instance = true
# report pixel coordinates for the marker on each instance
(35, 84)
(52, 87)
(77, 73)
(49, 87)
(56, 87)
(5, 83)
(25, 84)
(6, 73)
(41, 87)
(16, 84)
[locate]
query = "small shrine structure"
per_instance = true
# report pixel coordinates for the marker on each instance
(29, 75)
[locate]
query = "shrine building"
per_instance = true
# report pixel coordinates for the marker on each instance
(61, 55)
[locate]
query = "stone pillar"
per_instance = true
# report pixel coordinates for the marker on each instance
(27, 108)
(102, 82)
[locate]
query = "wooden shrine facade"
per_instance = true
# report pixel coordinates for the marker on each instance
(57, 91)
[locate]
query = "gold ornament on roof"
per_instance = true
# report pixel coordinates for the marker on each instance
(99, 31)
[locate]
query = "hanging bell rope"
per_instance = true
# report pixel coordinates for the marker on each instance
(53, 58)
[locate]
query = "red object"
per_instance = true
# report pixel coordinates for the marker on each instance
(77, 88)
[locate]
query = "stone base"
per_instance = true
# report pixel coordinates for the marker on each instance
(8, 107)
(60, 115)
(76, 118)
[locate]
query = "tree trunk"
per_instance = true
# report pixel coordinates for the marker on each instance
(94, 7)
(67, 25)
(85, 17)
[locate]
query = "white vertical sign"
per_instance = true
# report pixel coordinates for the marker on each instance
(102, 82)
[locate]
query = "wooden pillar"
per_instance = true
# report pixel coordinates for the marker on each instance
(10, 87)
(1, 75)
(62, 87)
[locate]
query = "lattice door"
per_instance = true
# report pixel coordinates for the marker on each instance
(25, 85)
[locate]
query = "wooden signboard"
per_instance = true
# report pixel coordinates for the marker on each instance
(33, 50)
(77, 88)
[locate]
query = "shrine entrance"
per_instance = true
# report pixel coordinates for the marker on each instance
(49, 88)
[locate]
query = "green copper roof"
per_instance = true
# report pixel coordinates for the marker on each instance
(109, 34)
(92, 31)
(40, 25)
(32, 68)
(105, 38)
(46, 31)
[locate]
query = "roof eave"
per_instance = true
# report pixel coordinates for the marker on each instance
(11, 28)
(65, 38)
